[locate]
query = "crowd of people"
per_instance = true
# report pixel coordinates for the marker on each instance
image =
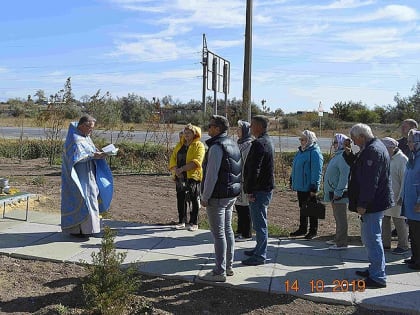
(379, 179)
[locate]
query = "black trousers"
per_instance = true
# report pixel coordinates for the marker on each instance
(188, 199)
(414, 236)
(303, 197)
(244, 221)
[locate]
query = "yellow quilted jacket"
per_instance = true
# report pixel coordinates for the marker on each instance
(195, 153)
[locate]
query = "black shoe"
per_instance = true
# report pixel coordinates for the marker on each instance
(310, 235)
(409, 261)
(414, 266)
(364, 273)
(80, 235)
(253, 261)
(297, 233)
(372, 284)
(249, 253)
(394, 233)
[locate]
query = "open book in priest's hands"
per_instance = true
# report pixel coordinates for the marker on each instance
(110, 149)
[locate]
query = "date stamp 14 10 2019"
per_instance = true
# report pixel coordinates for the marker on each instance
(320, 286)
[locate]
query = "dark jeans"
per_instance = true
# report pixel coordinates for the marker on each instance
(303, 197)
(244, 221)
(188, 199)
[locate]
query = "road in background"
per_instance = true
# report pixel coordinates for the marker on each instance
(281, 143)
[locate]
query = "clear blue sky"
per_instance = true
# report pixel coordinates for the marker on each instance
(304, 51)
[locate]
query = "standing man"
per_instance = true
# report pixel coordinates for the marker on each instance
(86, 181)
(370, 194)
(258, 185)
(406, 126)
(221, 185)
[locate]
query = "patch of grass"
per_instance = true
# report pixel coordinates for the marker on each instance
(38, 180)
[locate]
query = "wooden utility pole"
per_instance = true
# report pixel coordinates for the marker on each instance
(246, 89)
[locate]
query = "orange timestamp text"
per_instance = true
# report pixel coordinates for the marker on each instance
(319, 285)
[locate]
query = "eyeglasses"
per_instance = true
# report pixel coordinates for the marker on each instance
(302, 139)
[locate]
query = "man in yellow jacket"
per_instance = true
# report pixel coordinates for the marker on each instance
(186, 166)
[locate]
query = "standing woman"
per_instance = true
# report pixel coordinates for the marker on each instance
(411, 197)
(306, 179)
(242, 204)
(397, 168)
(335, 190)
(186, 165)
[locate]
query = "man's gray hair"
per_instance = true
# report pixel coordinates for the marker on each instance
(361, 130)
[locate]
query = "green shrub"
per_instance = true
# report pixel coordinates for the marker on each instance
(108, 288)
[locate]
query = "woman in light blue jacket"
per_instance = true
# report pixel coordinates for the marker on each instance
(335, 190)
(306, 179)
(411, 197)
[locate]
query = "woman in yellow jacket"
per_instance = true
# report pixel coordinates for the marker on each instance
(185, 164)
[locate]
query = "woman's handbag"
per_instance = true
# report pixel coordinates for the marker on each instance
(181, 184)
(313, 208)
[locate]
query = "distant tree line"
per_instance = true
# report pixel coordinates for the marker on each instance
(111, 112)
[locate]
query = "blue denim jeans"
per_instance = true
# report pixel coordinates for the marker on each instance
(372, 239)
(259, 221)
(219, 213)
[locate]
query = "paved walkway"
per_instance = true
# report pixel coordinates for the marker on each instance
(302, 268)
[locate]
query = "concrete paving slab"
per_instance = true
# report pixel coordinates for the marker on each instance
(401, 299)
(181, 267)
(25, 234)
(162, 251)
(247, 277)
(145, 230)
(44, 218)
(58, 247)
(296, 261)
(8, 224)
(181, 247)
(199, 236)
(137, 242)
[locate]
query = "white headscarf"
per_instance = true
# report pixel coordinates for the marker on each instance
(340, 138)
(311, 138)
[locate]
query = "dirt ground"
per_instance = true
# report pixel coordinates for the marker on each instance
(28, 287)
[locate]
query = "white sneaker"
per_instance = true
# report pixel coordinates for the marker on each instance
(335, 247)
(240, 238)
(180, 226)
(211, 276)
(229, 272)
(331, 242)
(193, 227)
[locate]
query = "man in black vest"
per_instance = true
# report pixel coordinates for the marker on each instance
(220, 186)
(259, 184)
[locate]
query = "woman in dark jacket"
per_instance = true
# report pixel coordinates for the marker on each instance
(306, 179)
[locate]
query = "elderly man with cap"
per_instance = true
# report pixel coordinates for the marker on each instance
(397, 168)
